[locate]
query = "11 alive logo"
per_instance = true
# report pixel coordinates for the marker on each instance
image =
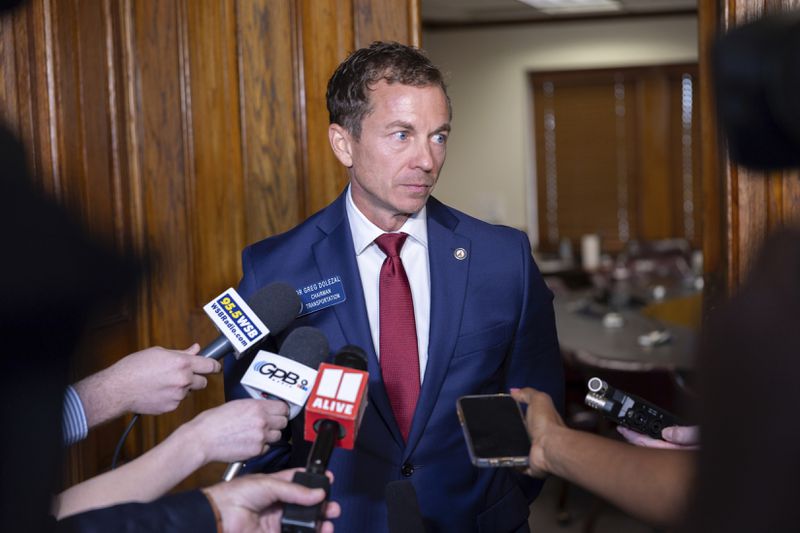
(339, 394)
(234, 318)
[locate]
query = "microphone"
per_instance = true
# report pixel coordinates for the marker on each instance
(337, 402)
(271, 309)
(333, 413)
(286, 376)
(403, 508)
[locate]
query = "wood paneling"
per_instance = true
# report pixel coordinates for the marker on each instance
(321, 49)
(270, 108)
(183, 130)
(742, 205)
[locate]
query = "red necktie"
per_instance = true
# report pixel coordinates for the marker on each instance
(398, 333)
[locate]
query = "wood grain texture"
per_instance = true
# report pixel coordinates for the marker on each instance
(324, 46)
(269, 113)
(382, 20)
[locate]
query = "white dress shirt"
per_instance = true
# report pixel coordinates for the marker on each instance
(414, 255)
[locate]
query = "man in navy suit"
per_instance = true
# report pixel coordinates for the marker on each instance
(444, 305)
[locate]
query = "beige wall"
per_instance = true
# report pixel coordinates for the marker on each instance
(489, 171)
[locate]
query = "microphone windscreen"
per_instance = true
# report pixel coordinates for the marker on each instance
(351, 356)
(305, 345)
(403, 508)
(277, 305)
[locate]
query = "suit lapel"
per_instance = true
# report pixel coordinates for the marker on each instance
(448, 289)
(334, 254)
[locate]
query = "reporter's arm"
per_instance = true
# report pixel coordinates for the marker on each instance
(231, 432)
(651, 484)
(151, 381)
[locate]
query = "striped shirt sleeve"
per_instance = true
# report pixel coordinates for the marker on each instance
(74, 424)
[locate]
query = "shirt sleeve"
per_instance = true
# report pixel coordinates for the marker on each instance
(74, 425)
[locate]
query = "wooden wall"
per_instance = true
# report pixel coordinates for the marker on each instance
(741, 206)
(183, 130)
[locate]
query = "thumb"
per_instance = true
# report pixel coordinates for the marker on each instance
(686, 435)
(194, 349)
(268, 491)
(522, 395)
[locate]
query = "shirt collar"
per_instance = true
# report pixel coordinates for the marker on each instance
(365, 232)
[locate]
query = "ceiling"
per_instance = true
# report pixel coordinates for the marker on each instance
(443, 13)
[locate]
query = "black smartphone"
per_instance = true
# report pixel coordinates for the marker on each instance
(494, 429)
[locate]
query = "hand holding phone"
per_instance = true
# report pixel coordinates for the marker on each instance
(494, 430)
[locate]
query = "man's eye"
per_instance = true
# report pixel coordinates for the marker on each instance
(401, 136)
(440, 138)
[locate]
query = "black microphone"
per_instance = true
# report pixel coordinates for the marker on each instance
(335, 408)
(275, 305)
(402, 508)
(286, 376)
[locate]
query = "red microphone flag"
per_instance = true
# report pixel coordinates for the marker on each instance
(339, 394)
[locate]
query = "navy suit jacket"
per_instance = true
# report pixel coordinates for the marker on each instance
(491, 328)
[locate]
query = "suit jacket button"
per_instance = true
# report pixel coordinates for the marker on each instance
(407, 469)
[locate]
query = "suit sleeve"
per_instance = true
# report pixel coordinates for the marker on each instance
(188, 512)
(535, 358)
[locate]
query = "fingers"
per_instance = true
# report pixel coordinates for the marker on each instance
(526, 395)
(203, 365)
(288, 474)
(683, 435)
(285, 475)
(198, 382)
(277, 490)
(194, 349)
(332, 510)
(645, 441)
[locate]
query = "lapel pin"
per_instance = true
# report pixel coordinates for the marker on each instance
(460, 254)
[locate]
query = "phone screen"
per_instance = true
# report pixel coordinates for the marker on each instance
(495, 430)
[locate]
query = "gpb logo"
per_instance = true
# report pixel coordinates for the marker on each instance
(278, 374)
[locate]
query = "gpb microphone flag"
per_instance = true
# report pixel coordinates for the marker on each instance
(288, 376)
(245, 324)
(285, 377)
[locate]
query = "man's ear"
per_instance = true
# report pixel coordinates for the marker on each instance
(341, 143)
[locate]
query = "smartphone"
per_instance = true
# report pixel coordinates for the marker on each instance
(494, 430)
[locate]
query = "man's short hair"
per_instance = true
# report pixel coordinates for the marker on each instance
(347, 96)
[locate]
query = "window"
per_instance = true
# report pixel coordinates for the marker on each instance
(617, 154)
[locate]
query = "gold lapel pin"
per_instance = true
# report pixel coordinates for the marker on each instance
(460, 254)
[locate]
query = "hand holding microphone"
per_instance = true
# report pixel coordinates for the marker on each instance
(286, 377)
(152, 381)
(235, 430)
(333, 413)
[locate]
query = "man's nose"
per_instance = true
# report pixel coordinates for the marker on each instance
(423, 157)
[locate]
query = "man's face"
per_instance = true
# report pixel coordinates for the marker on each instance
(396, 162)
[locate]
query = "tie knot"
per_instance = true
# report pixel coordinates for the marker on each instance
(391, 243)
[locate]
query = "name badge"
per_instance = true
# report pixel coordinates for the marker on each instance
(324, 293)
